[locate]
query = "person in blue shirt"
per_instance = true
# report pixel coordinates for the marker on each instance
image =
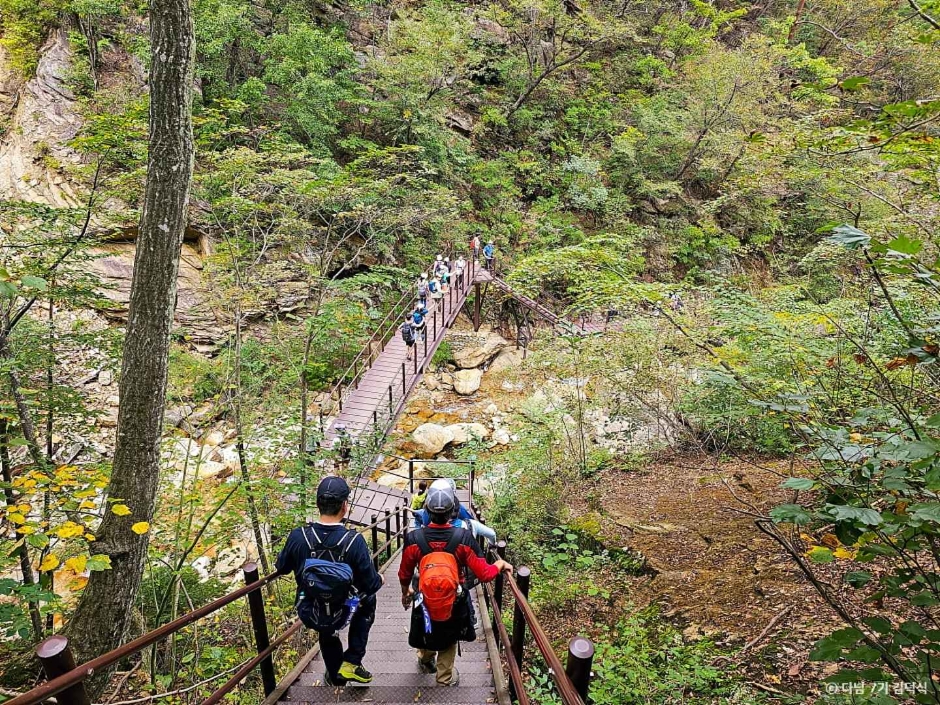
(417, 321)
(463, 519)
(342, 667)
(488, 253)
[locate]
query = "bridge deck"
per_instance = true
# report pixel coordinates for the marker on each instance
(394, 664)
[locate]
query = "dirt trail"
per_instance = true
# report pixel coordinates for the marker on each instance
(709, 565)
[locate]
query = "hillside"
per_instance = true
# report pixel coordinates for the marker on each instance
(719, 456)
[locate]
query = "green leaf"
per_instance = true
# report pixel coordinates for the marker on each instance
(790, 514)
(878, 624)
(854, 83)
(821, 554)
(858, 578)
(849, 236)
(7, 290)
(31, 282)
(925, 512)
(99, 561)
(845, 512)
(905, 245)
(797, 483)
(39, 541)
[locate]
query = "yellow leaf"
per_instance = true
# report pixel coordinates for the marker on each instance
(78, 583)
(843, 553)
(89, 537)
(16, 518)
(77, 564)
(23, 508)
(141, 527)
(50, 562)
(85, 494)
(122, 510)
(70, 530)
(87, 504)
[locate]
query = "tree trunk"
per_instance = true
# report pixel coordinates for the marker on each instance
(101, 621)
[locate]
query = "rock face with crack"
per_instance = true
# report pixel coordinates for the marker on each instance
(43, 120)
(472, 357)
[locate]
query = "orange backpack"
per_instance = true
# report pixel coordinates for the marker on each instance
(438, 576)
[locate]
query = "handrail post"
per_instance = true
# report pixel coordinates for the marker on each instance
(435, 321)
(399, 512)
(498, 585)
(260, 626)
(425, 345)
(471, 483)
(578, 668)
(411, 476)
(375, 540)
(523, 576)
(56, 658)
(404, 388)
(388, 534)
(389, 399)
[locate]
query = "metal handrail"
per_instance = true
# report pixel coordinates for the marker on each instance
(566, 689)
(83, 671)
(515, 672)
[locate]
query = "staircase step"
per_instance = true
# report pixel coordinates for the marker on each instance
(399, 679)
(393, 693)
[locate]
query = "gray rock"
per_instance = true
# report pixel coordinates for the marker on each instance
(431, 438)
(465, 432)
(466, 382)
(472, 357)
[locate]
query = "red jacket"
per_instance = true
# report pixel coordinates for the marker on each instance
(468, 553)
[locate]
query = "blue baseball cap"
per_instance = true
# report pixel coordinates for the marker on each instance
(333, 487)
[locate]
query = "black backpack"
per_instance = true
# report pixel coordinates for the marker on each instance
(407, 333)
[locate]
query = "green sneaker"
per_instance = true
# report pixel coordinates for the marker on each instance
(353, 674)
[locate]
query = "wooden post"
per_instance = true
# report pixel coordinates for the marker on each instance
(523, 575)
(399, 512)
(578, 668)
(424, 359)
(388, 534)
(260, 626)
(56, 658)
(477, 306)
(375, 540)
(498, 584)
(411, 476)
(435, 321)
(389, 399)
(471, 484)
(404, 388)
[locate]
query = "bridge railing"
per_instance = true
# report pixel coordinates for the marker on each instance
(65, 680)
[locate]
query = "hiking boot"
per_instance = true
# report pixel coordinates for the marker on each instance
(354, 674)
(454, 679)
(333, 681)
(429, 666)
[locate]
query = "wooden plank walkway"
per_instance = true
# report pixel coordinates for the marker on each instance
(394, 665)
(382, 391)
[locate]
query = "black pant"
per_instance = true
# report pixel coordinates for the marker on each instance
(332, 648)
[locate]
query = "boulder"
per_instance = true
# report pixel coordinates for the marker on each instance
(431, 438)
(208, 468)
(105, 377)
(390, 480)
(506, 360)
(215, 438)
(501, 437)
(471, 357)
(466, 382)
(465, 432)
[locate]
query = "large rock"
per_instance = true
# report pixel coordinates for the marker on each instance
(466, 432)
(466, 382)
(471, 357)
(506, 360)
(431, 438)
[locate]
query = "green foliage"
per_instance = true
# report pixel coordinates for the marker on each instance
(24, 26)
(443, 355)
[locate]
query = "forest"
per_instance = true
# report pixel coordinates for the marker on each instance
(696, 384)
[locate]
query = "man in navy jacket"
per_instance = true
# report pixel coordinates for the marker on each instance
(333, 503)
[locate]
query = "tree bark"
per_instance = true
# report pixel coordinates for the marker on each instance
(101, 621)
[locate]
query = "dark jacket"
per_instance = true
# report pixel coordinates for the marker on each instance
(291, 558)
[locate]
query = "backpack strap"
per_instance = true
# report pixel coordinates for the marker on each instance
(422, 542)
(425, 546)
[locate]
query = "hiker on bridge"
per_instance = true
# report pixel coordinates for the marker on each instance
(489, 252)
(423, 291)
(336, 583)
(343, 445)
(408, 335)
(475, 247)
(418, 321)
(459, 266)
(434, 288)
(441, 615)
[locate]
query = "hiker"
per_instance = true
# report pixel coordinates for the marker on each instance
(343, 445)
(336, 583)
(462, 517)
(440, 616)
(459, 266)
(417, 502)
(675, 301)
(408, 335)
(423, 291)
(445, 278)
(418, 323)
(488, 252)
(434, 288)
(475, 247)
(441, 266)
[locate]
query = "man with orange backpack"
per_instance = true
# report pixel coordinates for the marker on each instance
(441, 614)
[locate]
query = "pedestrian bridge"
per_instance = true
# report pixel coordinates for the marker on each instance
(370, 395)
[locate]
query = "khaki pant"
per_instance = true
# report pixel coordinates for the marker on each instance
(445, 662)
